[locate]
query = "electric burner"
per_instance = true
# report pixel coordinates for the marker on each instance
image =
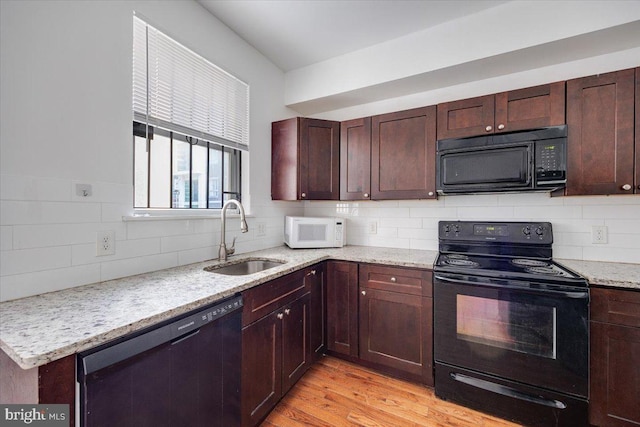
(526, 262)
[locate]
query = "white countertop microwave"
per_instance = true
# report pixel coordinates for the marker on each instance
(314, 232)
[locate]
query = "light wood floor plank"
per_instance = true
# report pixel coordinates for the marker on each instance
(336, 393)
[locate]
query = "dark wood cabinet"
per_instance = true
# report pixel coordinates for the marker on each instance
(403, 154)
(520, 109)
(355, 159)
(600, 146)
(52, 383)
(342, 308)
(615, 358)
(276, 340)
(637, 139)
(396, 320)
(305, 159)
(315, 281)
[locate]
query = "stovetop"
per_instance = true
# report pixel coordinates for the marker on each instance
(545, 270)
(506, 250)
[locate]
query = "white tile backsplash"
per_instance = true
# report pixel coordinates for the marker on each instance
(571, 217)
(48, 239)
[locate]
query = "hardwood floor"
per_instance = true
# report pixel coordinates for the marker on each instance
(336, 393)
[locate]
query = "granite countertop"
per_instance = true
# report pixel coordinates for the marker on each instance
(39, 329)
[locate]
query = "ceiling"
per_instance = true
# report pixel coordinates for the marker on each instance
(297, 33)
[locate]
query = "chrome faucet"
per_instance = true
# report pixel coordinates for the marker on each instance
(224, 251)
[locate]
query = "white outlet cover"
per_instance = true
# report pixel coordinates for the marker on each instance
(106, 243)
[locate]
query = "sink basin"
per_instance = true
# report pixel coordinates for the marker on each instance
(244, 267)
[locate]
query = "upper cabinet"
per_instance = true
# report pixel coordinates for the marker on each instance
(403, 154)
(355, 159)
(305, 159)
(600, 147)
(521, 109)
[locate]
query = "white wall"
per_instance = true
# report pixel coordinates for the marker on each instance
(66, 119)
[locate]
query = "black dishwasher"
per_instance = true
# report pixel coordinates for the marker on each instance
(183, 372)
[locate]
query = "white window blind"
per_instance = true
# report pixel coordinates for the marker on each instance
(176, 89)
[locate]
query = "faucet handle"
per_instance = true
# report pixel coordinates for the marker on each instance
(232, 249)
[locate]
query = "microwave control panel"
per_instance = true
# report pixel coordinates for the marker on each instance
(551, 164)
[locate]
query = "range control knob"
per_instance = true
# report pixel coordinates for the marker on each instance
(527, 230)
(539, 231)
(456, 228)
(447, 228)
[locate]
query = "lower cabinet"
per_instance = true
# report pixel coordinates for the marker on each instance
(342, 308)
(396, 320)
(381, 317)
(615, 358)
(280, 321)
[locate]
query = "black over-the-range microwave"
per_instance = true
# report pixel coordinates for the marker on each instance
(532, 160)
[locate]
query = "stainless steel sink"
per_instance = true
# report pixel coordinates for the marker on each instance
(244, 267)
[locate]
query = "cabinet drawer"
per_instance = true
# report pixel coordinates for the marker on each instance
(395, 279)
(270, 296)
(616, 306)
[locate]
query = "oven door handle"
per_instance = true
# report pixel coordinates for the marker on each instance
(566, 294)
(507, 391)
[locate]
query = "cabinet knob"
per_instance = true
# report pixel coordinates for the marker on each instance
(488, 128)
(393, 279)
(313, 272)
(303, 195)
(287, 311)
(626, 187)
(280, 316)
(366, 194)
(430, 193)
(363, 292)
(500, 126)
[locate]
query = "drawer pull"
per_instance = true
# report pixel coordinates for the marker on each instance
(393, 279)
(287, 311)
(280, 316)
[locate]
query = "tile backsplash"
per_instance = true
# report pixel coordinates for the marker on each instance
(48, 233)
(414, 224)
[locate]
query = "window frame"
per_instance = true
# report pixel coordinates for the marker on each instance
(234, 188)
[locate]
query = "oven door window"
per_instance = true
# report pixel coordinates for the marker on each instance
(507, 166)
(516, 326)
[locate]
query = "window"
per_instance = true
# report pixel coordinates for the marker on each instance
(191, 122)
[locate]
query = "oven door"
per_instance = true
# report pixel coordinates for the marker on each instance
(527, 333)
(493, 168)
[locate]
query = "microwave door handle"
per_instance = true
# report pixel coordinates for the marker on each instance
(566, 294)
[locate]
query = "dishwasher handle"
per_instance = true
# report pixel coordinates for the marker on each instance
(168, 331)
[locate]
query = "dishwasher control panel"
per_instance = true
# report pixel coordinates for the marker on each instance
(203, 317)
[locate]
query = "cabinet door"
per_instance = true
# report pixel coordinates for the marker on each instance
(637, 163)
(296, 352)
(403, 154)
(615, 375)
(530, 108)
(342, 307)
(600, 146)
(319, 159)
(355, 159)
(261, 368)
(315, 282)
(615, 358)
(466, 117)
(394, 331)
(284, 159)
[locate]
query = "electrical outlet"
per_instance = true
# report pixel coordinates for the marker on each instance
(106, 243)
(599, 234)
(373, 227)
(261, 229)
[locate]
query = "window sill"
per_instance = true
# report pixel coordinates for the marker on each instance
(172, 216)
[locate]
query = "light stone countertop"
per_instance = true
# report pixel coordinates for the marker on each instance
(39, 329)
